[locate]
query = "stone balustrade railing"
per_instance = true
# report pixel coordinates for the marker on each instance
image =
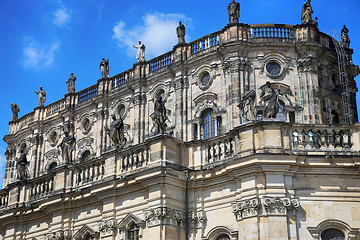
(122, 78)
(4, 198)
(133, 158)
(88, 172)
(41, 187)
(161, 61)
(306, 138)
(206, 42)
(88, 93)
(219, 148)
(22, 122)
(55, 107)
(281, 31)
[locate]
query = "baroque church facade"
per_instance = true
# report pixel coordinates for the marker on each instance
(247, 133)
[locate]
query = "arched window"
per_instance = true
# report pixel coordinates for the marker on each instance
(85, 156)
(223, 237)
(52, 166)
(332, 234)
(208, 124)
(133, 232)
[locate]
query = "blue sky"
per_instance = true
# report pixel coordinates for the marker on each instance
(43, 41)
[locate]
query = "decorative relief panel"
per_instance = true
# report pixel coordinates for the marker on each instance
(107, 226)
(59, 235)
(164, 215)
(198, 219)
(264, 206)
(246, 208)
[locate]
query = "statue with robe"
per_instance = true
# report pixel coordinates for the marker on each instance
(71, 83)
(140, 56)
(15, 109)
(116, 132)
(307, 11)
(234, 12)
(180, 31)
(67, 145)
(345, 40)
(22, 166)
(104, 68)
(41, 97)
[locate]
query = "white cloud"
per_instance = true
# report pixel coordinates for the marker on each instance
(61, 17)
(158, 33)
(38, 56)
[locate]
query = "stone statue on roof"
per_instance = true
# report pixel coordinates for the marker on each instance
(15, 109)
(71, 83)
(345, 40)
(180, 31)
(104, 68)
(234, 12)
(41, 97)
(140, 56)
(306, 14)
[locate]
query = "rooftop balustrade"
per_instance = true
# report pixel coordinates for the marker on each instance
(281, 31)
(122, 78)
(206, 42)
(161, 61)
(88, 93)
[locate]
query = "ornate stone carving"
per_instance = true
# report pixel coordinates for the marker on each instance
(246, 208)
(107, 226)
(116, 132)
(264, 206)
(59, 235)
(234, 12)
(140, 56)
(160, 115)
(180, 31)
(269, 98)
(345, 40)
(247, 106)
(22, 166)
(15, 109)
(67, 144)
(164, 215)
(198, 219)
(104, 68)
(71, 83)
(41, 97)
(306, 14)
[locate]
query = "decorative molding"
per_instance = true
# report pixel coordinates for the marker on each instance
(59, 235)
(198, 219)
(264, 206)
(84, 144)
(164, 215)
(279, 206)
(84, 232)
(107, 226)
(246, 208)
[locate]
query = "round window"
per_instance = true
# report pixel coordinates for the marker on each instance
(273, 68)
(205, 79)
